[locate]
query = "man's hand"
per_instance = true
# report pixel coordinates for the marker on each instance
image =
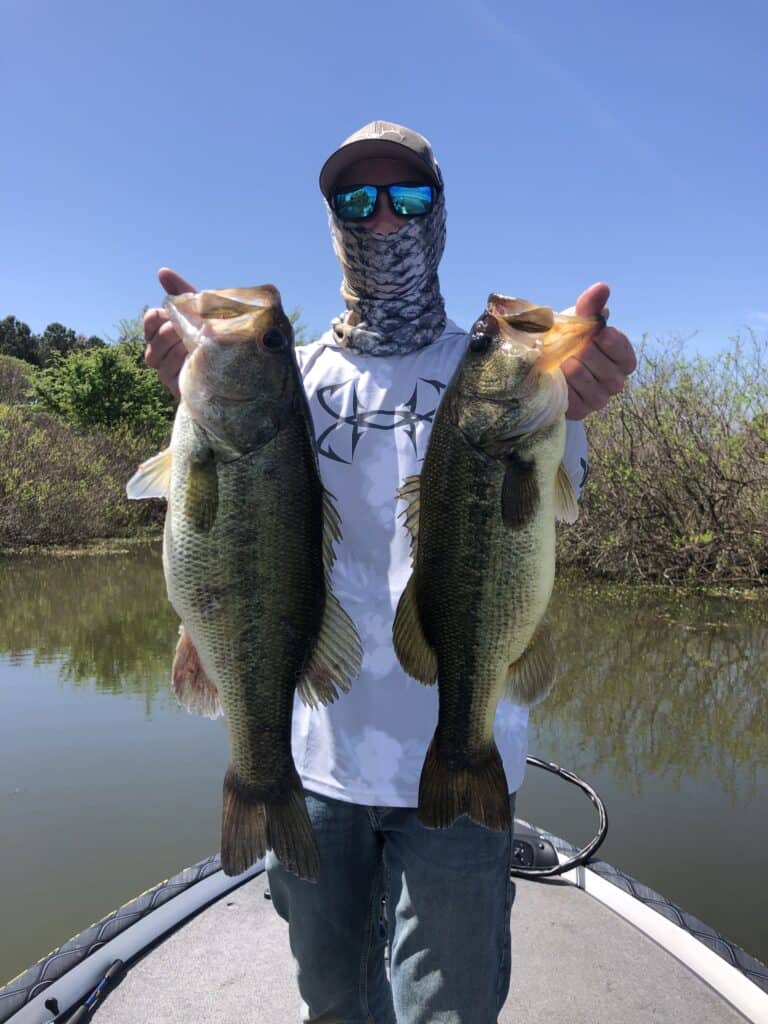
(600, 367)
(165, 350)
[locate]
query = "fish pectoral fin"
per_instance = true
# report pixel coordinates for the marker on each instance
(152, 479)
(410, 493)
(519, 491)
(413, 650)
(201, 500)
(336, 659)
(566, 505)
(530, 678)
(191, 685)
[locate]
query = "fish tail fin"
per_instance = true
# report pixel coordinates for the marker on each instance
(254, 820)
(478, 789)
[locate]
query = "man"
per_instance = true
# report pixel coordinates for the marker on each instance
(374, 381)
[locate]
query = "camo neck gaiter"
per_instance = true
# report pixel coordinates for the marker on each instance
(390, 286)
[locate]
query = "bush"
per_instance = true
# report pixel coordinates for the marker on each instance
(16, 377)
(61, 485)
(106, 387)
(678, 489)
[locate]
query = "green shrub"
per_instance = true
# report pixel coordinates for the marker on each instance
(63, 485)
(106, 387)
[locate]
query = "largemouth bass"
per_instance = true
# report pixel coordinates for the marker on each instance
(247, 553)
(482, 521)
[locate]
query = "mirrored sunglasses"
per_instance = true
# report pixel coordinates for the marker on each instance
(358, 202)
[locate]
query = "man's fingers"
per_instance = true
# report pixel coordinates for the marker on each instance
(618, 348)
(161, 343)
(153, 321)
(586, 392)
(167, 363)
(173, 283)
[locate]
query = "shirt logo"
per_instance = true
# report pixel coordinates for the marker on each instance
(347, 430)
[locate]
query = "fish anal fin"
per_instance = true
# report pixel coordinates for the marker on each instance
(531, 677)
(413, 650)
(566, 505)
(336, 658)
(191, 685)
(519, 491)
(152, 479)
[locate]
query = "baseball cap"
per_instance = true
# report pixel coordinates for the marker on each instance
(385, 139)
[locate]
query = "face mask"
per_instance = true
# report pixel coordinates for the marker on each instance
(390, 286)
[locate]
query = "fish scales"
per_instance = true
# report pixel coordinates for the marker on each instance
(247, 616)
(247, 555)
(482, 586)
(482, 518)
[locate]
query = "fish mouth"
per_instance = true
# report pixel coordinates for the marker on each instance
(554, 337)
(223, 316)
(508, 398)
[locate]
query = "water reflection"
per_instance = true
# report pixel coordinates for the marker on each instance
(652, 683)
(649, 683)
(104, 619)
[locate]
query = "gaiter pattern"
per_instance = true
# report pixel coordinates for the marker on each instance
(390, 286)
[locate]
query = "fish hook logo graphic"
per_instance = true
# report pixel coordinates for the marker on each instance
(354, 424)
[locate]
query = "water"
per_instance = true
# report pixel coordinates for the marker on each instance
(107, 786)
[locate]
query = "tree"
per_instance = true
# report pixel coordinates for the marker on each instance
(94, 341)
(56, 340)
(16, 339)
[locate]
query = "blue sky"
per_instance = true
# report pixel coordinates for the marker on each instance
(579, 142)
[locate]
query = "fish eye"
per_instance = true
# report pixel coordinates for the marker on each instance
(480, 342)
(274, 340)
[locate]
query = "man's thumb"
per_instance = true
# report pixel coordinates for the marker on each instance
(593, 300)
(173, 283)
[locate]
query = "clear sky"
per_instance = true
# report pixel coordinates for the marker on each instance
(579, 142)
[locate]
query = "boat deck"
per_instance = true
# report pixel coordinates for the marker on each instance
(573, 960)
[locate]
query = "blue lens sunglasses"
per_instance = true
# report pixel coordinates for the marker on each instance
(358, 202)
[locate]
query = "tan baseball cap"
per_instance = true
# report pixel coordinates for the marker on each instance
(381, 138)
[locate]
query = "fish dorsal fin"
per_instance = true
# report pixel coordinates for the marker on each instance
(337, 656)
(152, 479)
(336, 659)
(566, 505)
(413, 650)
(530, 678)
(331, 532)
(410, 493)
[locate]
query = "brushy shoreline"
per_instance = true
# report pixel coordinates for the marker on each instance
(98, 547)
(677, 494)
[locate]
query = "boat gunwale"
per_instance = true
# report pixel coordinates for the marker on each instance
(32, 985)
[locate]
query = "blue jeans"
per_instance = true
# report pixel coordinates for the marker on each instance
(448, 897)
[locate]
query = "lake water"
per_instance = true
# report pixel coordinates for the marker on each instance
(107, 786)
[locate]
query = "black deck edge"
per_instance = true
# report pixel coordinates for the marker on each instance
(26, 986)
(746, 964)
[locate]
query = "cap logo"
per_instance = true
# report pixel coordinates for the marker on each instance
(382, 128)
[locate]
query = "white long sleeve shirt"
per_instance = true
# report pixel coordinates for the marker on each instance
(372, 418)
